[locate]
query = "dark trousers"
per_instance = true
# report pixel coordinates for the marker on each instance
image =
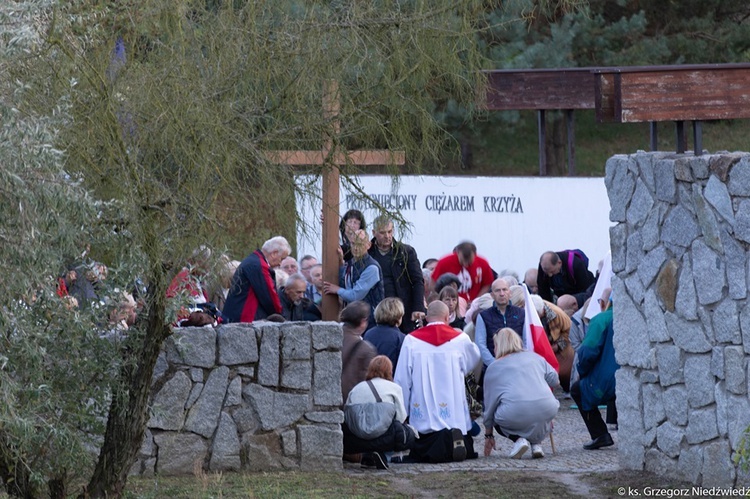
(593, 418)
(611, 412)
(513, 438)
(437, 447)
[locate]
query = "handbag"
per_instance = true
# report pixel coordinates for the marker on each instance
(369, 420)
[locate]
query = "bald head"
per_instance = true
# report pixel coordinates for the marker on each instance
(530, 280)
(550, 263)
(568, 303)
(437, 311)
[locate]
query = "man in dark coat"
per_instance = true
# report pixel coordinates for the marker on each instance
(295, 306)
(252, 295)
(564, 273)
(402, 273)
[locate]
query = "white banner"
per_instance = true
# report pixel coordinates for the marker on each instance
(512, 220)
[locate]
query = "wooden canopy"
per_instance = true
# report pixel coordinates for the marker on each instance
(672, 93)
(626, 95)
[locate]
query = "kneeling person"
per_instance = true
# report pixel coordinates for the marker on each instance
(518, 400)
(378, 387)
(431, 368)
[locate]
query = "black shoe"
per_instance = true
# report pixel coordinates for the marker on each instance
(459, 448)
(381, 462)
(368, 460)
(600, 441)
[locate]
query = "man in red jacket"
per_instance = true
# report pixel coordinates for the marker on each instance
(473, 271)
(252, 295)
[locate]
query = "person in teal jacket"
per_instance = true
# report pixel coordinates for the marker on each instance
(596, 386)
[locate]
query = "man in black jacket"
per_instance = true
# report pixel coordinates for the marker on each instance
(402, 273)
(564, 273)
(295, 306)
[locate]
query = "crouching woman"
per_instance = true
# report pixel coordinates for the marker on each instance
(377, 387)
(518, 401)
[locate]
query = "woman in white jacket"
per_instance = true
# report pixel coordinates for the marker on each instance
(398, 437)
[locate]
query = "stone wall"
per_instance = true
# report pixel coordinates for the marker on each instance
(255, 397)
(682, 315)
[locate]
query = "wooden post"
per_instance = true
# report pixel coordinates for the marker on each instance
(542, 125)
(653, 135)
(331, 104)
(680, 131)
(571, 126)
(698, 137)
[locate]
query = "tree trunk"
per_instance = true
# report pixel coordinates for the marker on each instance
(467, 155)
(15, 474)
(128, 411)
(58, 487)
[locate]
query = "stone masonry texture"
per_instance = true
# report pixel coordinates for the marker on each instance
(246, 397)
(682, 228)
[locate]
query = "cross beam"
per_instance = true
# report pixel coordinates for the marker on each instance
(331, 161)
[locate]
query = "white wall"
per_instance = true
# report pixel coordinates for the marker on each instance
(512, 220)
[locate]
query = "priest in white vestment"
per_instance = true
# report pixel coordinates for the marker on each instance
(432, 365)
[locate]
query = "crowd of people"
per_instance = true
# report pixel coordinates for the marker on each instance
(443, 341)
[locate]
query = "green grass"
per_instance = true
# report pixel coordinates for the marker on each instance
(355, 484)
(260, 485)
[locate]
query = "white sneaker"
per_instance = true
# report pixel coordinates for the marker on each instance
(519, 448)
(536, 451)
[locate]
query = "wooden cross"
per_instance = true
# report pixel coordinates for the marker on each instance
(331, 161)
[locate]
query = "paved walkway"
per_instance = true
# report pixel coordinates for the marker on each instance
(569, 435)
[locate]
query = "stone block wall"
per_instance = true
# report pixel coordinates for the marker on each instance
(681, 311)
(255, 397)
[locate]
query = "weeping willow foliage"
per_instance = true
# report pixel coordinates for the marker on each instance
(180, 117)
(55, 369)
(140, 127)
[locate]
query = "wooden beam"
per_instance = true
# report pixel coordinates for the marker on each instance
(549, 89)
(331, 107)
(673, 93)
(364, 158)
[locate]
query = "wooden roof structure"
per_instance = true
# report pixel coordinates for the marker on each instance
(627, 94)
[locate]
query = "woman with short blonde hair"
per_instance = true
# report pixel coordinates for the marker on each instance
(386, 337)
(518, 401)
(390, 311)
(507, 341)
